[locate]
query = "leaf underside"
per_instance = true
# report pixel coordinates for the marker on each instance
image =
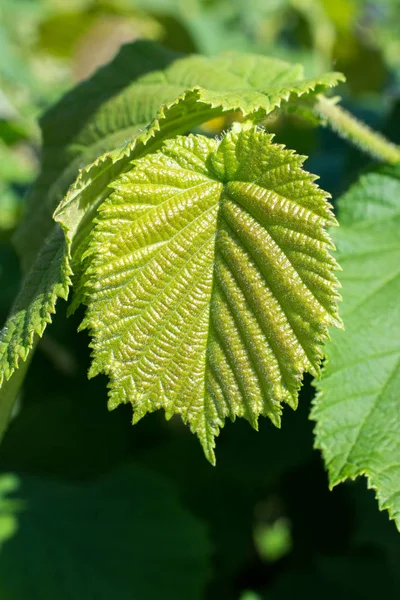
(357, 407)
(209, 284)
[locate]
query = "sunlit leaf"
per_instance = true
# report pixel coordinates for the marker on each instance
(209, 284)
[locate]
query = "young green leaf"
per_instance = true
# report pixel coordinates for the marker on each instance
(112, 107)
(96, 116)
(145, 84)
(357, 408)
(187, 92)
(210, 285)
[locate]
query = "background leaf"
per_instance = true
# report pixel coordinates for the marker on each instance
(106, 539)
(47, 280)
(356, 410)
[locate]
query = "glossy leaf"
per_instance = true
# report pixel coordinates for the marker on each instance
(146, 91)
(115, 105)
(210, 285)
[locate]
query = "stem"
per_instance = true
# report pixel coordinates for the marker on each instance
(356, 132)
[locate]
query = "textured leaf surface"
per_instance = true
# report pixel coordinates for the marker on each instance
(100, 540)
(99, 114)
(124, 97)
(47, 280)
(103, 113)
(357, 409)
(210, 285)
(188, 92)
(75, 131)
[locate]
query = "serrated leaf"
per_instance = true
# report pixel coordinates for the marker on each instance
(210, 285)
(357, 408)
(103, 539)
(114, 106)
(124, 97)
(190, 91)
(99, 114)
(76, 130)
(47, 280)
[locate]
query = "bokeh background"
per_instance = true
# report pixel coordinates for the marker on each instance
(93, 509)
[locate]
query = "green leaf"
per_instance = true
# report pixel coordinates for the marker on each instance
(75, 131)
(210, 285)
(191, 90)
(47, 280)
(98, 115)
(101, 540)
(122, 98)
(9, 509)
(142, 83)
(356, 410)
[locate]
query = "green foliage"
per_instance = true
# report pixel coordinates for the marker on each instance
(356, 132)
(98, 115)
(357, 406)
(9, 509)
(98, 528)
(94, 126)
(87, 502)
(190, 91)
(224, 332)
(47, 280)
(35, 303)
(144, 95)
(209, 285)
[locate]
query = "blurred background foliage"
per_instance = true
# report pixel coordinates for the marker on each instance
(91, 508)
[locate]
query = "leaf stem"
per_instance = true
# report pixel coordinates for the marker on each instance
(358, 133)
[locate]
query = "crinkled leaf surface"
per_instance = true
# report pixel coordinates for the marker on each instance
(357, 409)
(145, 84)
(99, 114)
(190, 91)
(143, 96)
(75, 131)
(124, 536)
(210, 285)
